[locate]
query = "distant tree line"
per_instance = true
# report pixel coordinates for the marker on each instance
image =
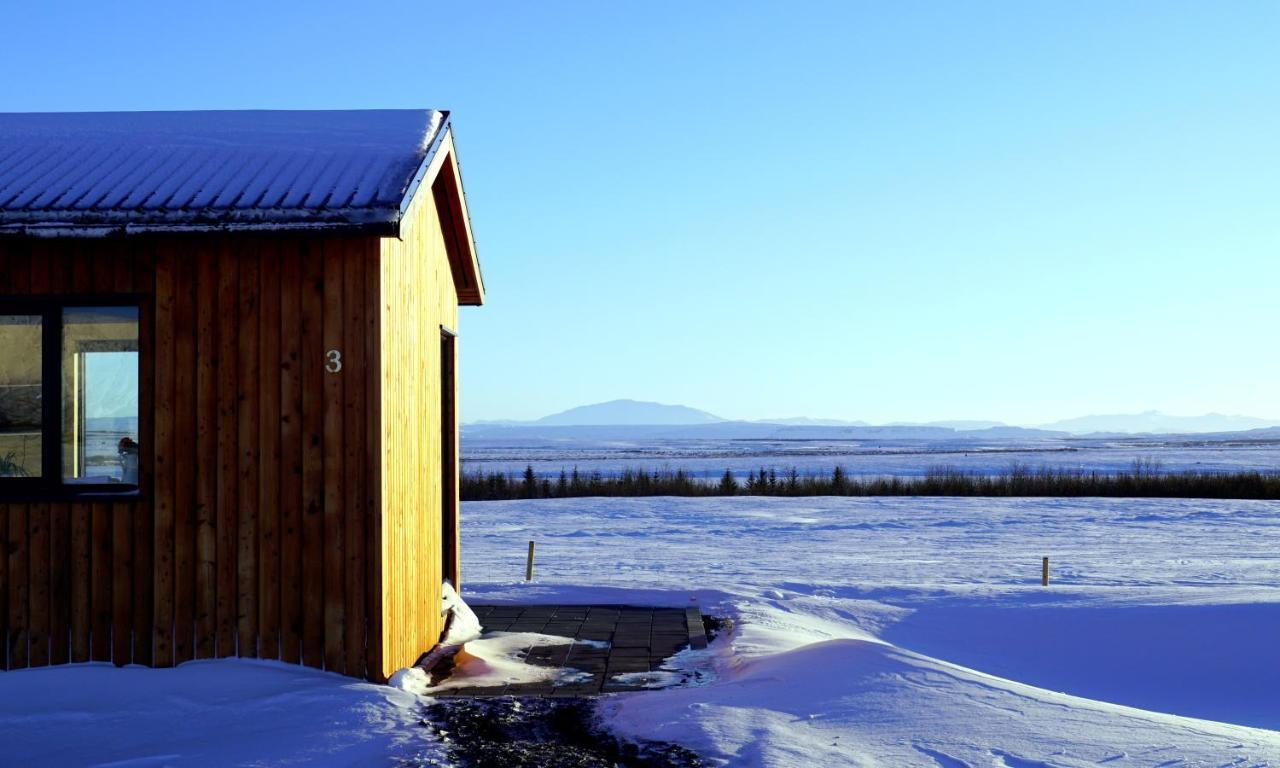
(1143, 478)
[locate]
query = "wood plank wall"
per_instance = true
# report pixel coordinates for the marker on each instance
(254, 533)
(75, 582)
(418, 297)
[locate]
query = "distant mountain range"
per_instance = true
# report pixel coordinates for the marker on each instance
(639, 419)
(628, 412)
(1154, 422)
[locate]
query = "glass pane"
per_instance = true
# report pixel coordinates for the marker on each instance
(100, 395)
(20, 412)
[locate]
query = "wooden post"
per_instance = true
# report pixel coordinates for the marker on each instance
(1044, 570)
(528, 568)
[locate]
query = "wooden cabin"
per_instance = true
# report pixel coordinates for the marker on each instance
(227, 385)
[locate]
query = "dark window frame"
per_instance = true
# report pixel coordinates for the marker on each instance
(51, 486)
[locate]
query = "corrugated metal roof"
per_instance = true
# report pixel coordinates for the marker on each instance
(84, 173)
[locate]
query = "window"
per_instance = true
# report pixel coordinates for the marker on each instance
(68, 397)
(21, 337)
(100, 395)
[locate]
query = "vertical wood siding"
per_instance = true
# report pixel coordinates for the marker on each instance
(417, 297)
(73, 569)
(265, 526)
(270, 364)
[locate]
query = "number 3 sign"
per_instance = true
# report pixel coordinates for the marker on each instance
(334, 362)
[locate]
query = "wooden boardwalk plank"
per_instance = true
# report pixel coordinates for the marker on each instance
(639, 639)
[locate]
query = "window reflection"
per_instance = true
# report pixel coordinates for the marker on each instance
(20, 409)
(100, 395)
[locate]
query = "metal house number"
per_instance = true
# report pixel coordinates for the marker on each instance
(334, 363)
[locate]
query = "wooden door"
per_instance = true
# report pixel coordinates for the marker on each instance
(448, 457)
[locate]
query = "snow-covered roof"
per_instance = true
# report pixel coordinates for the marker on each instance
(95, 173)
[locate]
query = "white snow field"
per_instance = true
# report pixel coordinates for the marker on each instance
(868, 632)
(915, 632)
(224, 712)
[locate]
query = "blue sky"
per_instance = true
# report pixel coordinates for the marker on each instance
(881, 211)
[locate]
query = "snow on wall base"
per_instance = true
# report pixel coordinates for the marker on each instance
(461, 625)
(206, 713)
(494, 660)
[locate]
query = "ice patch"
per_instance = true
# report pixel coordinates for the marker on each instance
(656, 679)
(496, 659)
(570, 676)
(688, 667)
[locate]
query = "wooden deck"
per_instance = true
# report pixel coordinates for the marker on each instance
(620, 639)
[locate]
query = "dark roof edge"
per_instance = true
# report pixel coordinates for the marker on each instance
(407, 198)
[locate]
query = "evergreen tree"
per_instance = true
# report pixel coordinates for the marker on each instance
(562, 485)
(837, 480)
(728, 485)
(530, 485)
(498, 486)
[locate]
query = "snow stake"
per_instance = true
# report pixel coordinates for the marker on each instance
(528, 566)
(1044, 568)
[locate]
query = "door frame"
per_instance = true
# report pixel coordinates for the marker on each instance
(449, 555)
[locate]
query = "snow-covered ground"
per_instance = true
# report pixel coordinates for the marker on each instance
(226, 712)
(908, 631)
(868, 632)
